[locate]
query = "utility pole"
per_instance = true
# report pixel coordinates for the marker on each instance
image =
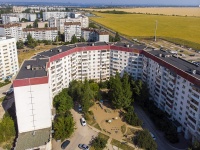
(156, 29)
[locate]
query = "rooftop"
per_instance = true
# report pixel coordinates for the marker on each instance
(33, 139)
(33, 68)
(178, 62)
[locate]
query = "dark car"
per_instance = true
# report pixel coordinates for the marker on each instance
(65, 144)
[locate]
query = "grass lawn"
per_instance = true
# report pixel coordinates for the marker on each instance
(122, 146)
(28, 54)
(103, 136)
(2, 99)
(171, 28)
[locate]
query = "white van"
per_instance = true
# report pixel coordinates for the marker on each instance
(83, 122)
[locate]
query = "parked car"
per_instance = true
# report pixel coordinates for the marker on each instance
(83, 122)
(154, 138)
(65, 144)
(83, 146)
(79, 108)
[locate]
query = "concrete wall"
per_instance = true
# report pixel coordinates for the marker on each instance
(33, 107)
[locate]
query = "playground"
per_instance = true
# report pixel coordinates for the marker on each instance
(110, 121)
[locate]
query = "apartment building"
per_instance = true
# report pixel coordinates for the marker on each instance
(47, 15)
(16, 17)
(12, 30)
(59, 22)
(174, 85)
(8, 58)
(94, 35)
(41, 33)
(173, 82)
(72, 28)
(19, 9)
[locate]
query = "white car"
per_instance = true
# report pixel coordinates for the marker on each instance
(154, 138)
(83, 122)
(83, 146)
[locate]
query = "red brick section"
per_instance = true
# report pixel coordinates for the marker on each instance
(178, 71)
(30, 81)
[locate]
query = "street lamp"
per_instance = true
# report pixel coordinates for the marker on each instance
(156, 29)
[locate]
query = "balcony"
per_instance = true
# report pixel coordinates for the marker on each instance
(171, 76)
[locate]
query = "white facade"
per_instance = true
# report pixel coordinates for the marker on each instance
(19, 9)
(8, 58)
(41, 33)
(13, 30)
(72, 28)
(33, 107)
(94, 35)
(175, 95)
(16, 17)
(59, 22)
(47, 15)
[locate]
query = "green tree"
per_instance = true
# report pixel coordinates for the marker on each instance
(24, 20)
(30, 41)
(63, 127)
(75, 90)
(196, 145)
(46, 25)
(74, 39)
(20, 44)
(131, 118)
(82, 39)
(116, 92)
(127, 93)
(35, 23)
(7, 128)
(95, 88)
(41, 14)
(117, 37)
(29, 26)
(63, 102)
(145, 141)
(87, 96)
(92, 25)
(99, 143)
(111, 39)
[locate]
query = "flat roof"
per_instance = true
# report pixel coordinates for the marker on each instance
(54, 51)
(33, 139)
(32, 73)
(177, 62)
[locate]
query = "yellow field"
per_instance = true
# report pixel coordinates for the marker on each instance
(186, 28)
(180, 11)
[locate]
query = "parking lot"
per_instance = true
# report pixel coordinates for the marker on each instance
(82, 135)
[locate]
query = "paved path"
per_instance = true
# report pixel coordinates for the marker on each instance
(160, 140)
(82, 135)
(4, 89)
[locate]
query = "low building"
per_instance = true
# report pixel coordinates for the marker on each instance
(72, 28)
(43, 24)
(41, 33)
(94, 35)
(8, 58)
(25, 24)
(12, 30)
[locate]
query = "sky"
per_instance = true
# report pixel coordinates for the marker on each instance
(118, 2)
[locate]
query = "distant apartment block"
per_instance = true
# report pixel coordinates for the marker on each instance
(17, 17)
(59, 22)
(8, 58)
(94, 35)
(12, 30)
(19, 9)
(47, 15)
(41, 33)
(72, 28)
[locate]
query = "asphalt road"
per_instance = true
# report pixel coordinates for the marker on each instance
(148, 124)
(4, 89)
(82, 135)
